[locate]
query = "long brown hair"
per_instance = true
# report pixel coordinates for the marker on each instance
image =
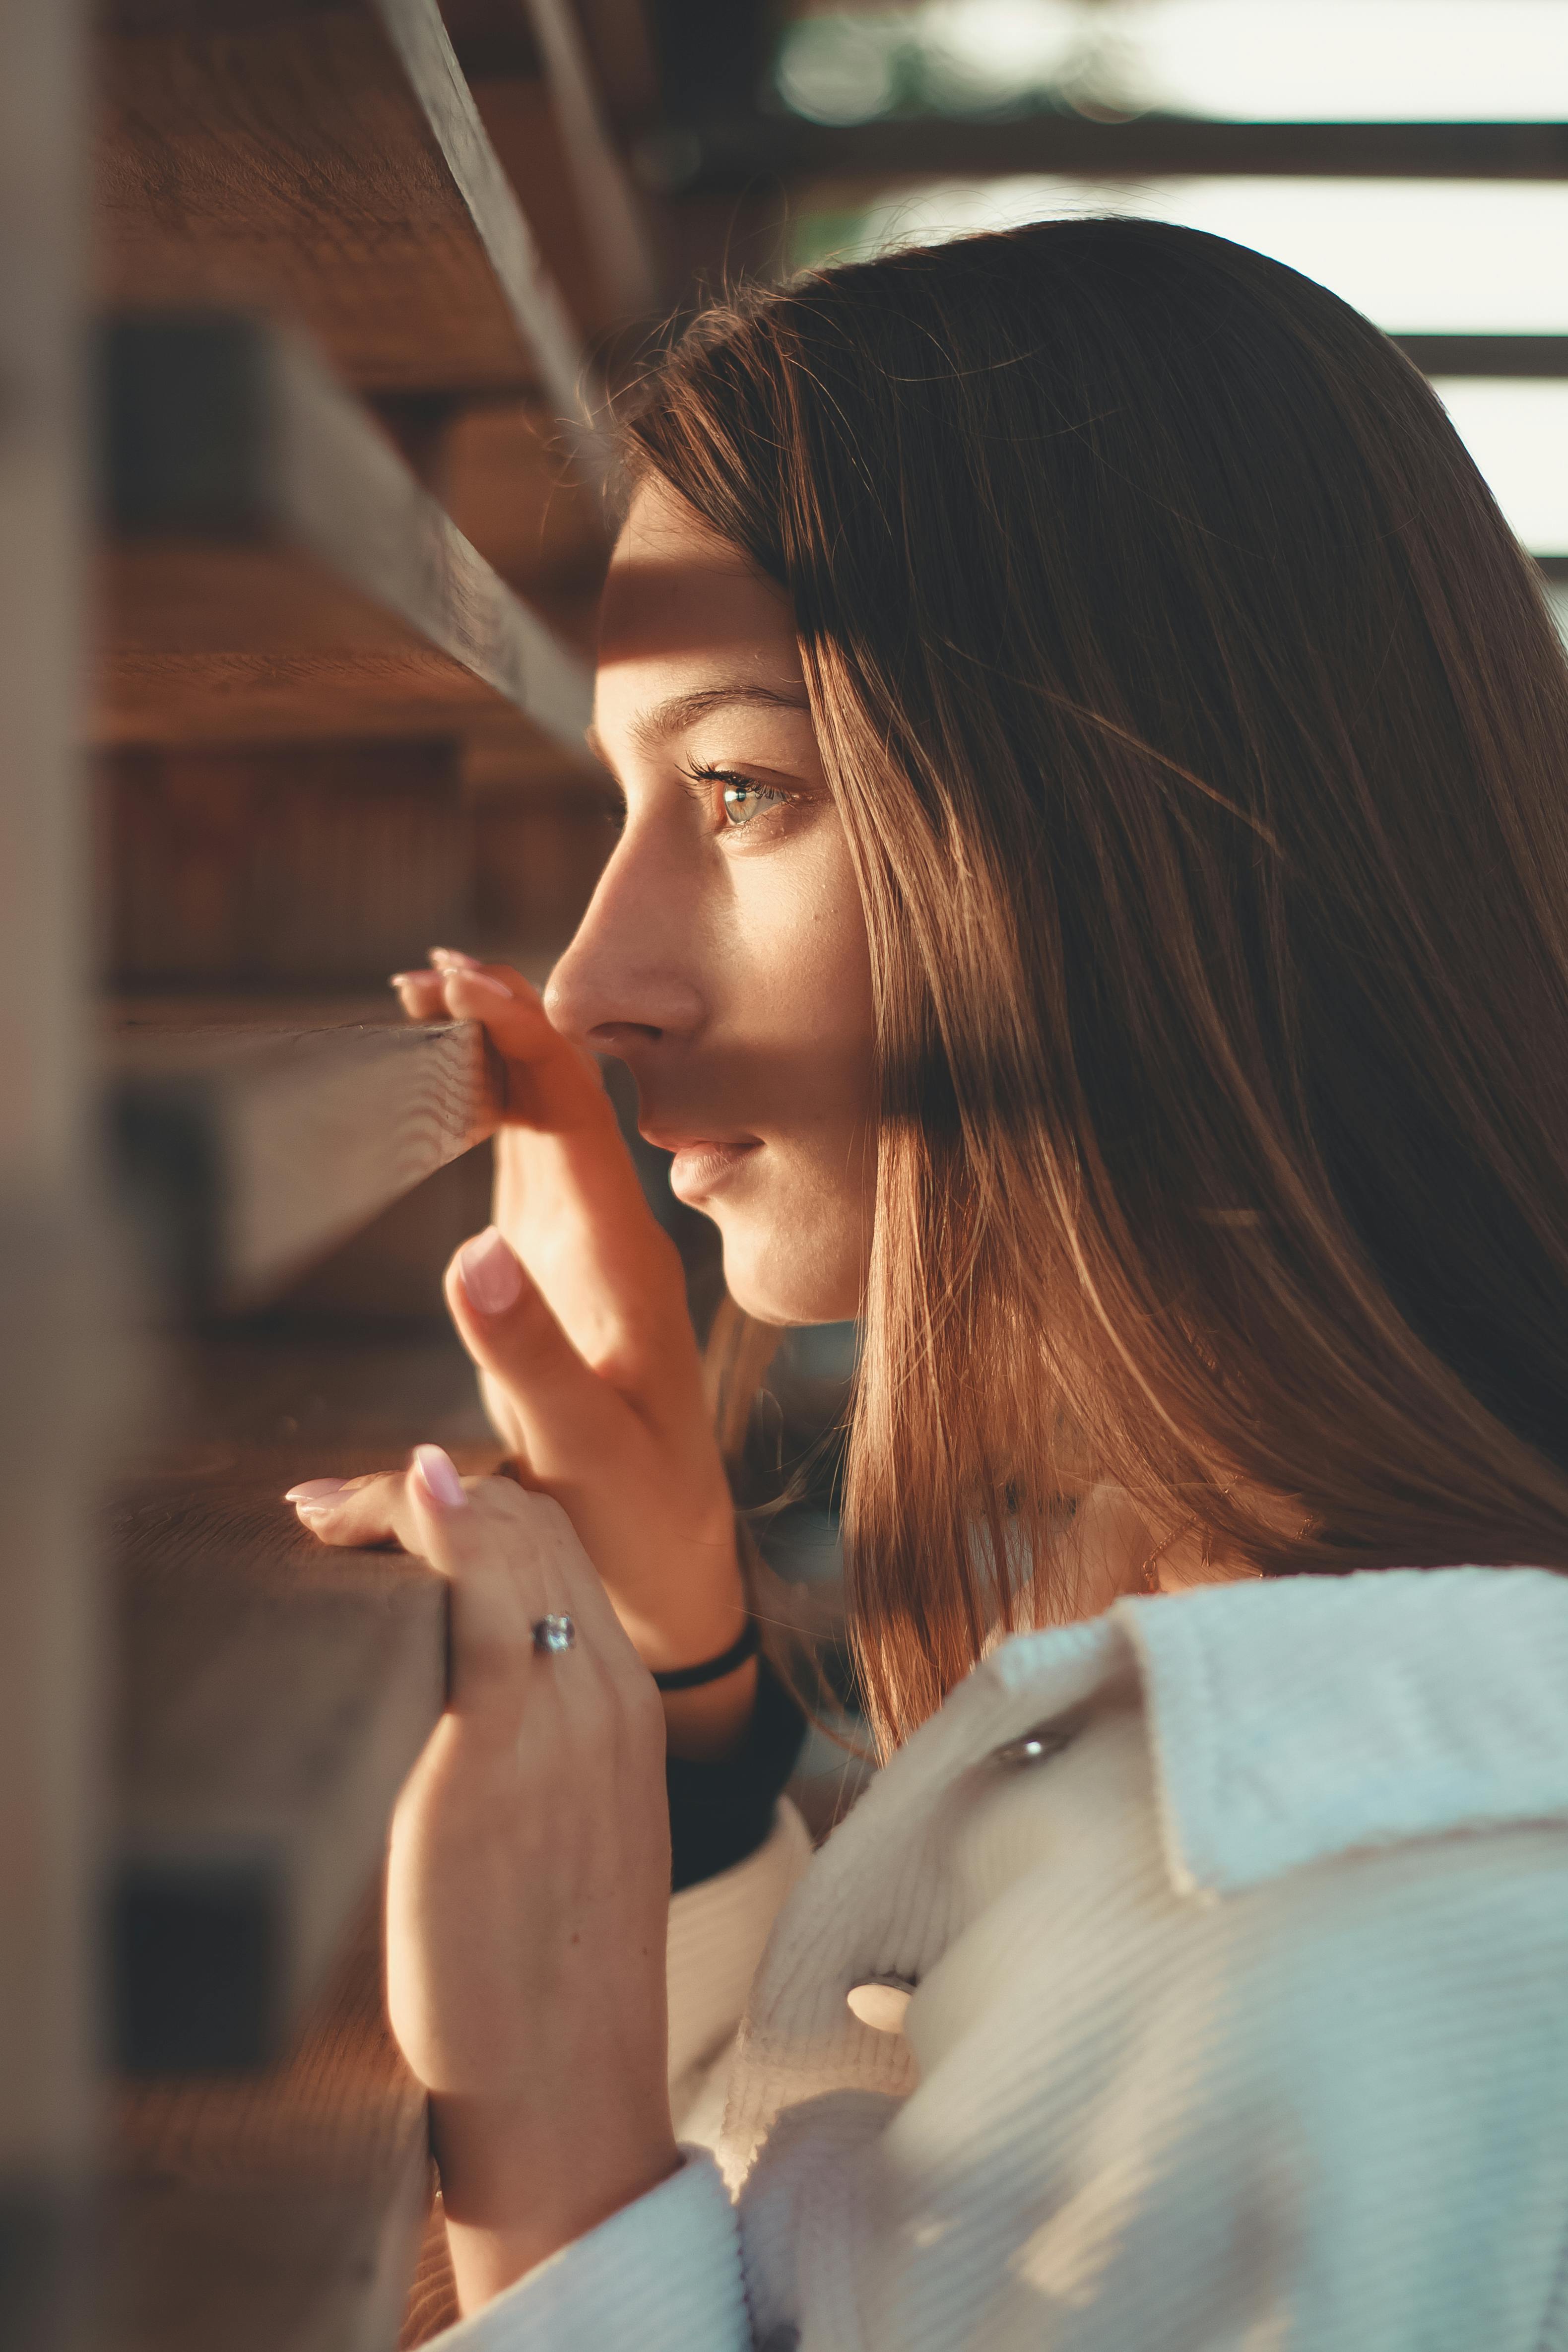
(1201, 736)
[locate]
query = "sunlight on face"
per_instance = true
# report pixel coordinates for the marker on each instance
(724, 957)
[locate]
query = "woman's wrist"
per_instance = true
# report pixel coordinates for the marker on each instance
(514, 2193)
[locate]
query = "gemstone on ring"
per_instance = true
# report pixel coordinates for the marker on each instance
(554, 1634)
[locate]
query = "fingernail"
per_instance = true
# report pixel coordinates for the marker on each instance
(489, 1273)
(453, 958)
(315, 1490)
(480, 979)
(439, 1472)
(313, 1514)
(401, 979)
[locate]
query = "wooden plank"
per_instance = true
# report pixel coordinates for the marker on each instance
(272, 2213)
(275, 572)
(323, 158)
(550, 137)
(246, 1152)
(738, 148)
(544, 531)
(621, 49)
(539, 856)
(1487, 355)
(285, 868)
(272, 1698)
(54, 1354)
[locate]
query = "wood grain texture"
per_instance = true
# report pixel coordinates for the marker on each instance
(274, 2214)
(549, 132)
(271, 1697)
(284, 867)
(246, 1152)
(529, 514)
(539, 856)
(326, 163)
(274, 569)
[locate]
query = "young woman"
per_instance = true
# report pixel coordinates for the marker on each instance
(1093, 902)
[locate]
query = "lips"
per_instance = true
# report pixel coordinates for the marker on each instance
(703, 1162)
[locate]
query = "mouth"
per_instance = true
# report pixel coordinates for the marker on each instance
(703, 1162)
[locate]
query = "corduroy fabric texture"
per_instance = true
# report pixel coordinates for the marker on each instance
(1241, 2020)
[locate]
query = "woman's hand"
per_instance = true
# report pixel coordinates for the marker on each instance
(528, 1887)
(573, 1308)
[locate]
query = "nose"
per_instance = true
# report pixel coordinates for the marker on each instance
(629, 977)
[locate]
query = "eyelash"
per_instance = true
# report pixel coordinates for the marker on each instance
(700, 774)
(768, 795)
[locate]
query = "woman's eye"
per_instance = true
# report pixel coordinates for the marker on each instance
(743, 801)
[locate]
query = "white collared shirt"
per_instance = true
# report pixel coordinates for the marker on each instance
(1238, 2009)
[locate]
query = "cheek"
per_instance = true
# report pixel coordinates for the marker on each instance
(809, 979)
(798, 1237)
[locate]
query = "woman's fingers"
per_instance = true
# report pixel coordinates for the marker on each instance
(567, 1197)
(476, 1527)
(513, 1559)
(553, 1084)
(421, 994)
(360, 1513)
(566, 1412)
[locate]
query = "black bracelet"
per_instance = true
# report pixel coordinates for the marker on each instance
(713, 1670)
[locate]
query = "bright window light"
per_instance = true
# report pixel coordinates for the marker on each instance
(1243, 60)
(1349, 60)
(1518, 436)
(1420, 257)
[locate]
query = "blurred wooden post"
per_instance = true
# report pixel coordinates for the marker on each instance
(47, 1710)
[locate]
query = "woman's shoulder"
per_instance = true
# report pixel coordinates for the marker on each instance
(1188, 1752)
(1242, 1910)
(1290, 1720)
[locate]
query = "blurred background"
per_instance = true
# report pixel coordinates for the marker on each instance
(314, 310)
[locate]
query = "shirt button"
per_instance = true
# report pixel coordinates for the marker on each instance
(881, 2003)
(1046, 1740)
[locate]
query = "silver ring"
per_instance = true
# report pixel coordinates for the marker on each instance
(554, 1633)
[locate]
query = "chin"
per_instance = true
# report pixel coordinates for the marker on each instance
(790, 1283)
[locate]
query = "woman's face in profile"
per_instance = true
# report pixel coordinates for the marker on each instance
(724, 957)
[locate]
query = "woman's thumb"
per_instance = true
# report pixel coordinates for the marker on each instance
(511, 1333)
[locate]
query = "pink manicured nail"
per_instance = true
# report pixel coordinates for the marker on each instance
(315, 1490)
(439, 1472)
(480, 980)
(453, 958)
(489, 1273)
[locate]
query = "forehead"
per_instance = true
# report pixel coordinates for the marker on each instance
(683, 611)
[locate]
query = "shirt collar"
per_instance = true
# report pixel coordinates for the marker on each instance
(1307, 1717)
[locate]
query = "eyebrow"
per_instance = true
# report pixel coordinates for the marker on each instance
(677, 711)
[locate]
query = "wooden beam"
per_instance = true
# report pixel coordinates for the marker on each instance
(611, 210)
(279, 2212)
(273, 569)
(55, 1350)
(621, 49)
(319, 866)
(247, 1152)
(738, 149)
(545, 532)
(273, 1698)
(1492, 355)
(326, 161)
(538, 97)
